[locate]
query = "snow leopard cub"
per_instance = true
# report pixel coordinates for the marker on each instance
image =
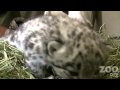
(59, 41)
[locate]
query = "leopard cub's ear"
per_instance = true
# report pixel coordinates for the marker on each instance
(53, 47)
(54, 13)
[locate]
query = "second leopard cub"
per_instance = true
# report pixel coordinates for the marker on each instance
(59, 41)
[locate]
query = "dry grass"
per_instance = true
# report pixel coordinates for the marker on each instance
(12, 63)
(114, 56)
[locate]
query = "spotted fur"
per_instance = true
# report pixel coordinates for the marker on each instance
(59, 41)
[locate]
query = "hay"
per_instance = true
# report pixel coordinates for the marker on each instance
(12, 63)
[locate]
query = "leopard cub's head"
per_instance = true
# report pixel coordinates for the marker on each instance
(76, 47)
